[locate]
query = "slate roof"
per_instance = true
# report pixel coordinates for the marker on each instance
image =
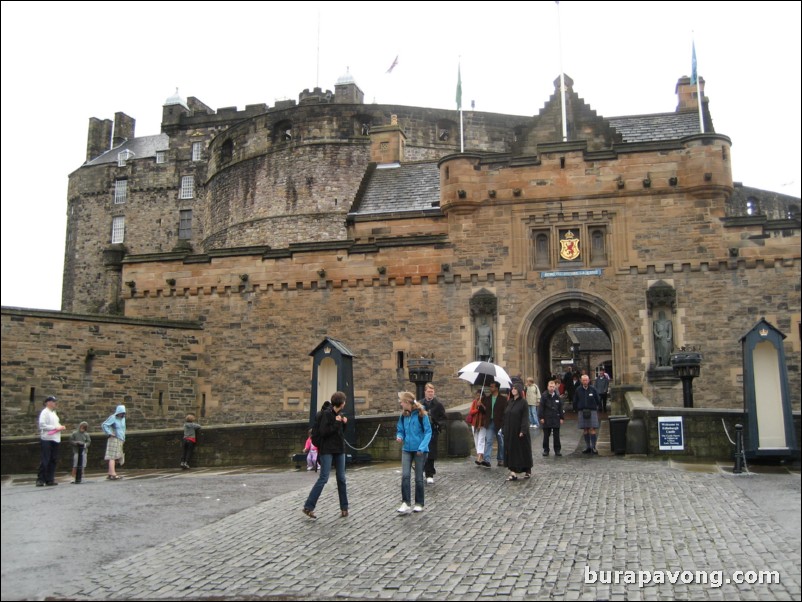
(405, 187)
(591, 339)
(656, 127)
(146, 146)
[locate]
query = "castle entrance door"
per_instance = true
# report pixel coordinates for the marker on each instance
(572, 329)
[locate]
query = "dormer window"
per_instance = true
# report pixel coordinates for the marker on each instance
(751, 206)
(123, 156)
(161, 156)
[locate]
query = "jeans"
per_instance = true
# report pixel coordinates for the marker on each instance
(493, 434)
(47, 468)
(533, 416)
(406, 469)
(326, 461)
(189, 448)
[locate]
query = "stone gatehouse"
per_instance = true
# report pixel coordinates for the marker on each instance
(204, 263)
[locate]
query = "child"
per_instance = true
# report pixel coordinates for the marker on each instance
(311, 453)
(191, 429)
(80, 441)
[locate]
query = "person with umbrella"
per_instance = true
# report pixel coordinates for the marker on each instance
(492, 375)
(517, 441)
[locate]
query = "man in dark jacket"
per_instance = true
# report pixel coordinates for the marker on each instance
(437, 416)
(552, 415)
(496, 404)
(586, 402)
(330, 451)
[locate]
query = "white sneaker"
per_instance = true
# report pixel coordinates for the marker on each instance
(404, 508)
(430, 481)
(417, 508)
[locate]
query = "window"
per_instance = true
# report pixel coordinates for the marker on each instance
(123, 156)
(185, 224)
(120, 191)
(187, 188)
(161, 157)
(117, 229)
(542, 256)
(197, 151)
(598, 246)
(751, 206)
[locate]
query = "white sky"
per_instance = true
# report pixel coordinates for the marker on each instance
(64, 62)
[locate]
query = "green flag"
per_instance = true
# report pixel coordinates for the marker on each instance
(459, 89)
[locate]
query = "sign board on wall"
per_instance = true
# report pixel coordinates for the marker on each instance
(669, 433)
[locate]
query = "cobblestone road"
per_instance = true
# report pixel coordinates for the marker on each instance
(481, 537)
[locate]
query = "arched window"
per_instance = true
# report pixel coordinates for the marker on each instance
(598, 247)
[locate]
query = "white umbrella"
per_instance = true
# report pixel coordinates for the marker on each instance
(484, 373)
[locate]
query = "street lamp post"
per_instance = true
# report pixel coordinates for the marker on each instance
(421, 371)
(686, 365)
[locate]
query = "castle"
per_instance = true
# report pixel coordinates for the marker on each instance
(203, 264)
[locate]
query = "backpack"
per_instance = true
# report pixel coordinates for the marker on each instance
(316, 438)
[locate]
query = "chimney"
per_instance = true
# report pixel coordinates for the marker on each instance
(686, 94)
(98, 141)
(387, 142)
(123, 129)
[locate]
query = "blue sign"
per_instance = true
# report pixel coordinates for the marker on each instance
(669, 433)
(569, 273)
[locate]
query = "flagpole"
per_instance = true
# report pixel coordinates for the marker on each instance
(562, 75)
(695, 77)
(459, 105)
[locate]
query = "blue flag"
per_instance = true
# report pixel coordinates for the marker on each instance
(693, 64)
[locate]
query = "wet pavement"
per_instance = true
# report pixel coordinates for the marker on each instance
(228, 534)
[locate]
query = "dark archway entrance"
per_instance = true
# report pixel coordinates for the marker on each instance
(548, 317)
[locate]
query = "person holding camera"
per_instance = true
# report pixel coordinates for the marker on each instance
(586, 403)
(413, 432)
(437, 415)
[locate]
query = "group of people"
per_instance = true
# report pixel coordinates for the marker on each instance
(417, 431)
(506, 420)
(50, 429)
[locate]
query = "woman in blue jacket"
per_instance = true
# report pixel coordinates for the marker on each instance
(414, 432)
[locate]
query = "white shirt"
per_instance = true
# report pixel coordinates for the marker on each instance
(48, 421)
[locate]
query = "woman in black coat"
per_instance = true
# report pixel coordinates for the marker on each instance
(517, 441)
(331, 451)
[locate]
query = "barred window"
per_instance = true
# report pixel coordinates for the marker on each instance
(117, 229)
(187, 188)
(185, 224)
(120, 191)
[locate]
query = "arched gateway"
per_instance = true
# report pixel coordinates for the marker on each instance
(551, 314)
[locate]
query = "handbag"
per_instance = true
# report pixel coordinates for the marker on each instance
(469, 419)
(586, 414)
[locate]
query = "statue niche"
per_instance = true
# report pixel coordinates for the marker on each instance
(483, 311)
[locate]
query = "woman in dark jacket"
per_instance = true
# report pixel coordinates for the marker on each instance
(517, 441)
(331, 426)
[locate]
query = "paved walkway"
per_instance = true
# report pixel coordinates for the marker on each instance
(479, 537)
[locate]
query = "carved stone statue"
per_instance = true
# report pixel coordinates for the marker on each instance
(663, 340)
(484, 340)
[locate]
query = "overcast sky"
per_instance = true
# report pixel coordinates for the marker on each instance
(64, 62)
